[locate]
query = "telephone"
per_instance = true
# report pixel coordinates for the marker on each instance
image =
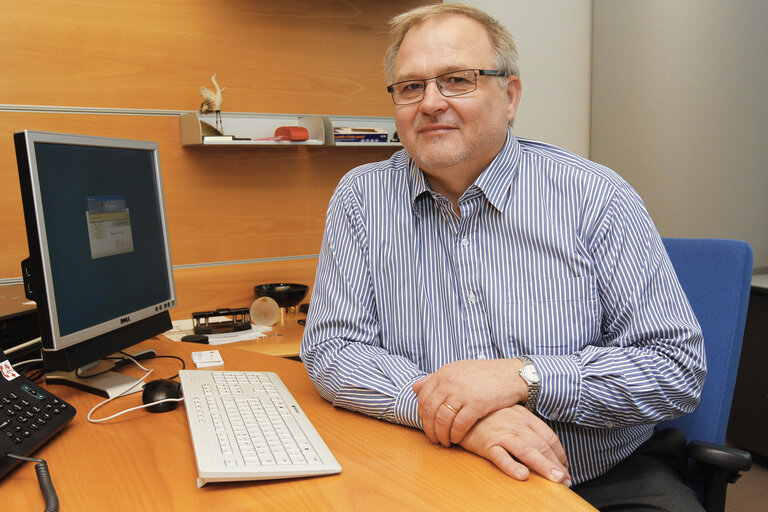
(29, 415)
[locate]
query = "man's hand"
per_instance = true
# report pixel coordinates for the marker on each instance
(453, 398)
(517, 441)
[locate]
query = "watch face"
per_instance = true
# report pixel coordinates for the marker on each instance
(529, 372)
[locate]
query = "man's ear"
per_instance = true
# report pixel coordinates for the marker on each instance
(514, 91)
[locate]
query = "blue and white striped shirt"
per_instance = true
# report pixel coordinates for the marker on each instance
(553, 256)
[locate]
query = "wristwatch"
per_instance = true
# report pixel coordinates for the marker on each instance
(530, 375)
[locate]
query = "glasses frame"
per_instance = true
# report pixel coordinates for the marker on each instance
(477, 72)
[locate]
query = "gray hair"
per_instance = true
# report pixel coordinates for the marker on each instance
(502, 41)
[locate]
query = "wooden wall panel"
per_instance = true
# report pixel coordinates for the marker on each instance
(292, 56)
(231, 286)
(223, 204)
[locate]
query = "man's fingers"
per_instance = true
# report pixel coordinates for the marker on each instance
(436, 418)
(444, 420)
(549, 437)
(427, 422)
(462, 423)
(505, 462)
(537, 456)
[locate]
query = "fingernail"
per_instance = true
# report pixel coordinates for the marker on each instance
(567, 482)
(557, 475)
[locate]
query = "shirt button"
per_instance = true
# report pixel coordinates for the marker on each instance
(480, 356)
(554, 416)
(471, 297)
(464, 242)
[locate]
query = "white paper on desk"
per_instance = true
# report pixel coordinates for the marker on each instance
(184, 327)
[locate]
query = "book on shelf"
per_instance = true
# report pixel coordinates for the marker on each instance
(349, 134)
(218, 138)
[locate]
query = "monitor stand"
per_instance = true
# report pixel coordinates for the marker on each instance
(108, 384)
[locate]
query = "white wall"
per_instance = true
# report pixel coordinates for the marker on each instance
(554, 41)
(671, 95)
(680, 109)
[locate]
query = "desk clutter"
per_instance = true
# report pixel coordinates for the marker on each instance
(221, 320)
(271, 313)
(183, 330)
(270, 306)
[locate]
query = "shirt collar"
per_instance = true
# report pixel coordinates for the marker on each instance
(419, 183)
(494, 181)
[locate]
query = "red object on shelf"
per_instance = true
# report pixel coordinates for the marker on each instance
(291, 133)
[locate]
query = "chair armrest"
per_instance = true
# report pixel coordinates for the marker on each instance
(725, 457)
(720, 465)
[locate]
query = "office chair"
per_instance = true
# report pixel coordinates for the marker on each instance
(716, 276)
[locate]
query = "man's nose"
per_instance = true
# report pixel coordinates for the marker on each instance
(433, 98)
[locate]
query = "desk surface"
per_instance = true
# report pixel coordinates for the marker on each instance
(144, 461)
(283, 340)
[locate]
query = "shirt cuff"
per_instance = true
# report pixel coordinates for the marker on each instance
(560, 387)
(407, 406)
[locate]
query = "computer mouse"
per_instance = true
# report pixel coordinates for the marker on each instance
(161, 389)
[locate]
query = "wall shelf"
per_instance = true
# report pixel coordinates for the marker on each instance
(250, 129)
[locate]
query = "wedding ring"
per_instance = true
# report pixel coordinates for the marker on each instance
(454, 411)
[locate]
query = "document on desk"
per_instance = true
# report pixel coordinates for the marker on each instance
(184, 327)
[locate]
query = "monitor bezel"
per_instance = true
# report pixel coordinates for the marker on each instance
(71, 351)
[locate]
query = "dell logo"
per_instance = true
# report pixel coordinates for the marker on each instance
(125, 320)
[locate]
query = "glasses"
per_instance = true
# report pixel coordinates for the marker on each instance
(453, 83)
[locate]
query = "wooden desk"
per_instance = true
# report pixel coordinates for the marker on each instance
(144, 461)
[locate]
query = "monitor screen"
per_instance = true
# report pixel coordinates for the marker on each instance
(99, 266)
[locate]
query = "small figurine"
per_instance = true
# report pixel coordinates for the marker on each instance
(212, 102)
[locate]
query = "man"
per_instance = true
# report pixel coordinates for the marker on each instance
(499, 293)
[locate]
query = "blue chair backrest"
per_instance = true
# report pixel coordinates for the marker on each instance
(716, 276)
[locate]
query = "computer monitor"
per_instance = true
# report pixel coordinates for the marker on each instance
(99, 265)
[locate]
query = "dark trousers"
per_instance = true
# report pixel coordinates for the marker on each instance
(652, 478)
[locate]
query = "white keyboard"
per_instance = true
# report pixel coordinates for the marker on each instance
(247, 426)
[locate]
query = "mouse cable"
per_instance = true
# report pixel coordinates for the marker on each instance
(123, 359)
(144, 406)
(183, 364)
(44, 480)
(158, 356)
(117, 362)
(122, 393)
(125, 392)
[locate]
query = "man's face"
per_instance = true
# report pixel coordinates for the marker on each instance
(463, 132)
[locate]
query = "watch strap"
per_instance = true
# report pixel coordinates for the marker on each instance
(533, 387)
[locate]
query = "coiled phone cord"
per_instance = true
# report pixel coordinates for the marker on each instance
(44, 480)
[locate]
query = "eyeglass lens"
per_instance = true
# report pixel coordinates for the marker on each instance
(454, 83)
